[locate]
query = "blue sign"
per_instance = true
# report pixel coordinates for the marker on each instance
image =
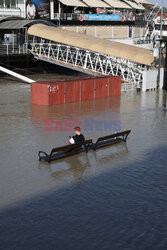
(38, 9)
(101, 17)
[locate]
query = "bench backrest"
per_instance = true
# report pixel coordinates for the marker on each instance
(124, 134)
(71, 146)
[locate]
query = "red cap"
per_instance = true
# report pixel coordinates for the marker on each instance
(77, 129)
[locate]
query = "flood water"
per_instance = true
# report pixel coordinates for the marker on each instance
(114, 198)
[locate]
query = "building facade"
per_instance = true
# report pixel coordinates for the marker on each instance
(71, 10)
(13, 8)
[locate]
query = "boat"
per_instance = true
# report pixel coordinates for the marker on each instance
(73, 149)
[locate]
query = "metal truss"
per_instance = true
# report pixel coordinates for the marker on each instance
(89, 62)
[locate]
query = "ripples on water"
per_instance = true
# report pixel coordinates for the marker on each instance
(114, 198)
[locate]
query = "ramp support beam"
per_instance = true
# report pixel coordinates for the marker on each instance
(10, 72)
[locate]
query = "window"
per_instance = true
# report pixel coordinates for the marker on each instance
(7, 3)
(1, 3)
(13, 3)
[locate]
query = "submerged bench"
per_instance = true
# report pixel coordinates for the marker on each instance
(69, 150)
(111, 139)
(65, 151)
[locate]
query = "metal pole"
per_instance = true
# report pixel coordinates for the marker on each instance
(161, 27)
(160, 56)
(23, 78)
(59, 13)
(52, 9)
(13, 41)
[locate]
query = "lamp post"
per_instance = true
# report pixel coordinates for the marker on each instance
(59, 13)
(161, 27)
(160, 56)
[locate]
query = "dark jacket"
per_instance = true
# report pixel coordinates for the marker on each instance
(78, 138)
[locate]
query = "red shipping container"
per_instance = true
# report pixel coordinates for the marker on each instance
(115, 86)
(72, 91)
(47, 94)
(62, 91)
(87, 90)
(101, 87)
(56, 93)
(39, 94)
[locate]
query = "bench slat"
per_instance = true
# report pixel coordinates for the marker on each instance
(72, 146)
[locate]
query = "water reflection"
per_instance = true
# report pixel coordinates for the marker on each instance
(77, 165)
(74, 166)
(108, 153)
(107, 109)
(74, 110)
(164, 99)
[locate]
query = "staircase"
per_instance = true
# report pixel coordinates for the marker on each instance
(151, 24)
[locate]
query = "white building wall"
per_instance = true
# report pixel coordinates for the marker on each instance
(150, 79)
(9, 12)
(20, 10)
(22, 7)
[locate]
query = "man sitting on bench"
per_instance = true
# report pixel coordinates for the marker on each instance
(78, 137)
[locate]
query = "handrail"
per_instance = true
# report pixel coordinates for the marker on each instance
(13, 49)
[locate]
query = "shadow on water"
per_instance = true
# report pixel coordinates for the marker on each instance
(121, 209)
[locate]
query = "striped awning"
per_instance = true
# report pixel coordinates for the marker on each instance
(144, 2)
(134, 5)
(118, 4)
(96, 4)
(20, 24)
(76, 3)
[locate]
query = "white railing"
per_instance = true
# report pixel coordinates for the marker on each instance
(142, 40)
(10, 12)
(13, 49)
(88, 61)
(150, 28)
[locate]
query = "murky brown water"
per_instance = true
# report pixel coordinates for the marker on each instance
(114, 198)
